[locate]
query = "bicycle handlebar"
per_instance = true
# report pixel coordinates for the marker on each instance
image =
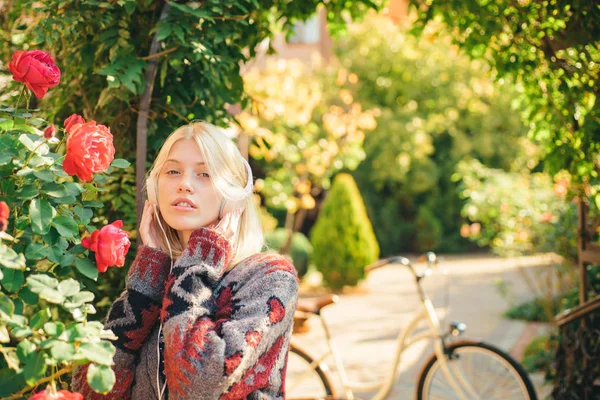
(430, 257)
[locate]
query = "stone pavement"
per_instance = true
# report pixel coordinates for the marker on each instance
(366, 321)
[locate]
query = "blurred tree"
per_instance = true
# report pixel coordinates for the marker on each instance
(552, 50)
(305, 127)
(148, 66)
(437, 108)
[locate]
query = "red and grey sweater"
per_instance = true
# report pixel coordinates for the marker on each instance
(226, 335)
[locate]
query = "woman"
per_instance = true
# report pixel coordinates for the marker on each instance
(216, 322)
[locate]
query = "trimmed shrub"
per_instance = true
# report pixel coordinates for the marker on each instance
(342, 238)
(300, 250)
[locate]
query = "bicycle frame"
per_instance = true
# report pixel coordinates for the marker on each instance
(405, 339)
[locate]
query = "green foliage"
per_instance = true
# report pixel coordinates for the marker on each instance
(515, 213)
(551, 49)
(436, 108)
(45, 305)
(300, 251)
(342, 238)
(540, 353)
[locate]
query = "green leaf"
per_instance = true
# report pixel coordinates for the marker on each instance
(37, 251)
(85, 214)
(22, 332)
(40, 318)
(67, 260)
(86, 267)
(28, 296)
(79, 299)
(41, 214)
(99, 353)
(92, 204)
(10, 259)
(12, 382)
(5, 158)
(6, 124)
(100, 378)
(69, 287)
(37, 283)
(52, 296)
(25, 349)
(54, 328)
(13, 280)
(35, 368)
(66, 226)
(62, 351)
(44, 175)
(120, 163)
(54, 189)
(73, 189)
(4, 336)
(7, 308)
(33, 142)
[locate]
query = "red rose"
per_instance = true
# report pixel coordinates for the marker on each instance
(110, 244)
(49, 132)
(4, 210)
(36, 69)
(89, 150)
(73, 122)
(4, 213)
(60, 395)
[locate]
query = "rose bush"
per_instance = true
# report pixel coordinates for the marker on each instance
(49, 184)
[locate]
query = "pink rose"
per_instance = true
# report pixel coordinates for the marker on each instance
(73, 122)
(60, 395)
(90, 150)
(110, 244)
(36, 69)
(50, 132)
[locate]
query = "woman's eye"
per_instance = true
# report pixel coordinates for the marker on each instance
(204, 174)
(172, 172)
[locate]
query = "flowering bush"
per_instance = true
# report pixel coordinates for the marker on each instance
(515, 213)
(44, 211)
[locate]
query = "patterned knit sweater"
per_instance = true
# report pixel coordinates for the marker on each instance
(226, 335)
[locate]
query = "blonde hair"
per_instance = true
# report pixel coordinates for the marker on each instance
(229, 177)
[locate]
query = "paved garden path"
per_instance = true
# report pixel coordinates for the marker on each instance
(366, 320)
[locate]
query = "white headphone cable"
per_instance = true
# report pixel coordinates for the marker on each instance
(161, 391)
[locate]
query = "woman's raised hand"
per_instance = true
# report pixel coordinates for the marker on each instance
(228, 225)
(147, 230)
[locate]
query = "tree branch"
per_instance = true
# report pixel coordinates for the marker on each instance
(142, 121)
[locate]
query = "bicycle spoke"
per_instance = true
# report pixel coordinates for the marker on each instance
(481, 374)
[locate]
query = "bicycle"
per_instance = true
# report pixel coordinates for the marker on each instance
(462, 369)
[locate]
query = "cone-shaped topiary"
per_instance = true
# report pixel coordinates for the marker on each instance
(342, 238)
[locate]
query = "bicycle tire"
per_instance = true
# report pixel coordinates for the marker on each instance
(463, 348)
(322, 375)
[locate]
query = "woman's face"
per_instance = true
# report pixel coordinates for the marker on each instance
(187, 198)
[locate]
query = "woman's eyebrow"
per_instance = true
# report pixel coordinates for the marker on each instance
(178, 162)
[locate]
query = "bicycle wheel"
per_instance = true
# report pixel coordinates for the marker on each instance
(483, 372)
(305, 378)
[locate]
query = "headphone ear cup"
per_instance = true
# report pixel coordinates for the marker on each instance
(151, 192)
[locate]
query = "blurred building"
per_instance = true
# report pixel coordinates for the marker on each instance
(311, 38)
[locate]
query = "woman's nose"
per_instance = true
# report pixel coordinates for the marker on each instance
(185, 185)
